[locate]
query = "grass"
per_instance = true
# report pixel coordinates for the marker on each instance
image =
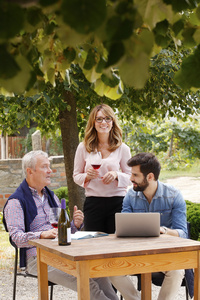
(193, 171)
(7, 252)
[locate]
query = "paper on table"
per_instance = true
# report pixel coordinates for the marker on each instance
(87, 235)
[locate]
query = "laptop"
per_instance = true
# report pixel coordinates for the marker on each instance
(137, 224)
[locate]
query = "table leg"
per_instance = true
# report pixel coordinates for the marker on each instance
(197, 279)
(146, 286)
(83, 285)
(42, 278)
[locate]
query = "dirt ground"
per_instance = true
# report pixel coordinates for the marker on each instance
(189, 187)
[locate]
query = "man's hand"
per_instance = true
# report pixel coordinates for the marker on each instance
(49, 234)
(165, 230)
(78, 217)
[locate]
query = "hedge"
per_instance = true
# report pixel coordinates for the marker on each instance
(193, 216)
(62, 192)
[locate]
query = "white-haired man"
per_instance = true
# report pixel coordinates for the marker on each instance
(26, 218)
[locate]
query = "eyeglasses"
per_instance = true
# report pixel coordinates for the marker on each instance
(100, 119)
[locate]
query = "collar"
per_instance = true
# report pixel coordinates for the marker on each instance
(34, 192)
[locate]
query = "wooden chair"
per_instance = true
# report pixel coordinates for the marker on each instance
(24, 273)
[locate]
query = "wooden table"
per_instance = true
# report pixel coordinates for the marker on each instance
(111, 256)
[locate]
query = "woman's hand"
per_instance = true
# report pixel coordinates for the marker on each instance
(109, 177)
(91, 174)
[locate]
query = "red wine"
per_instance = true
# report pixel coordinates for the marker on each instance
(55, 225)
(96, 167)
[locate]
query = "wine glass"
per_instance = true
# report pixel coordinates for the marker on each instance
(54, 215)
(95, 160)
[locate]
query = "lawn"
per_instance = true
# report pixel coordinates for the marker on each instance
(193, 171)
(7, 252)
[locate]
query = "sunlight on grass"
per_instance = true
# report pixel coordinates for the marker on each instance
(193, 171)
(7, 252)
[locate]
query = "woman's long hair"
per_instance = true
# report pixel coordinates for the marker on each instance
(91, 138)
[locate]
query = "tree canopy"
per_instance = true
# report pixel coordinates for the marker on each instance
(112, 42)
(60, 57)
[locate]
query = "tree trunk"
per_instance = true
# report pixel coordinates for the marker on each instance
(70, 140)
(171, 145)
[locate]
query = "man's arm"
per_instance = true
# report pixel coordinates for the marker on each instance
(127, 206)
(179, 218)
(165, 230)
(14, 217)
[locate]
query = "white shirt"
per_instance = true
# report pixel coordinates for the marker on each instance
(116, 161)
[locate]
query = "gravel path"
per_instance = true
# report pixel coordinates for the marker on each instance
(189, 187)
(27, 287)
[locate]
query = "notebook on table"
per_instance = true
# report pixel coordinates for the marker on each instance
(137, 224)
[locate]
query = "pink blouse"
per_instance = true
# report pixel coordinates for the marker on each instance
(116, 161)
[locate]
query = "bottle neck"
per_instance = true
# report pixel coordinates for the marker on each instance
(63, 204)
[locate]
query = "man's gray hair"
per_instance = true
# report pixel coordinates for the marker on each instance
(29, 160)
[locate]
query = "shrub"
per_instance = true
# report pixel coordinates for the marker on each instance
(193, 216)
(62, 192)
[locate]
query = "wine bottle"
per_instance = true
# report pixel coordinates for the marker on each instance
(64, 227)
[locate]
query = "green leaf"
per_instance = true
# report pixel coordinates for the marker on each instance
(110, 81)
(137, 75)
(18, 83)
(101, 65)
(118, 28)
(178, 26)
(48, 2)
(189, 74)
(103, 90)
(116, 51)
(161, 27)
(51, 75)
(11, 19)
(8, 66)
(188, 37)
(146, 39)
(153, 11)
(179, 5)
(47, 98)
(84, 15)
(198, 12)
(90, 60)
(196, 36)
(33, 55)
(162, 41)
(32, 80)
(91, 75)
(69, 54)
(34, 16)
(124, 7)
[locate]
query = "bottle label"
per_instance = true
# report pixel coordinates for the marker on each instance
(68, 235)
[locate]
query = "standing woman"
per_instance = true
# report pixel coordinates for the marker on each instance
(105, 187)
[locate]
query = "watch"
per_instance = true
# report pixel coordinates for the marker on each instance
(165, 228)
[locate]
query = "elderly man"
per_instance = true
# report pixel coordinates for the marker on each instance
(26, 217)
